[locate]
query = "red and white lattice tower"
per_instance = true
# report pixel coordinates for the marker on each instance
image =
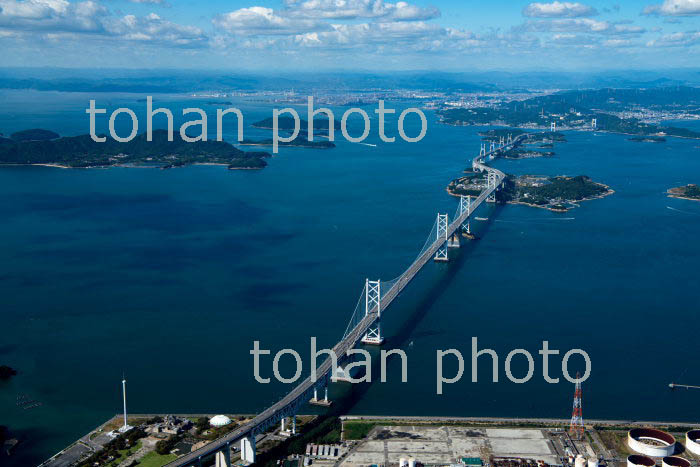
(576, 427)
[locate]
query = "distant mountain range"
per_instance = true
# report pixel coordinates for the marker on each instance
(176, 81)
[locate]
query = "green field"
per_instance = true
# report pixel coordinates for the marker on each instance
(153, 459)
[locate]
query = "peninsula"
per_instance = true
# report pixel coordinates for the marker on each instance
(82, 152)
(607, 110)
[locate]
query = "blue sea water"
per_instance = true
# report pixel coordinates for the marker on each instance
(169, 276)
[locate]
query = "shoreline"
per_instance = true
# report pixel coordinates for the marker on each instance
(671, 195)
(128, 166)
(561, 129)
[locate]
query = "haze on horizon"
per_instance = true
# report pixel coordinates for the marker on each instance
(369, 35)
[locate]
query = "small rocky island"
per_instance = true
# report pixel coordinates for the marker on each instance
(521, 153)
(691, 192)
(558, 194)
(7, 372)
(83, 152)
(647, 139)
(287, 126)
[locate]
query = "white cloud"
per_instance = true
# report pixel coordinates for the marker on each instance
(581, 25)
(353, 9)
(258, 20)
(558, 10)
(677, 39)
(376, 34)
(674, 8)
(57, 20)
(52, 15)
(153, 29)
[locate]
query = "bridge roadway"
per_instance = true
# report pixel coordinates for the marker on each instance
(302, 393)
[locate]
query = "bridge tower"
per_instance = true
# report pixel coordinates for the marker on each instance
(482, 151)
(492, 146)
(594, 123)
(510, 138)
(373, 300)
(553, 127)
(501, 141)
(442, 223)
(465, 204)
(491, 183)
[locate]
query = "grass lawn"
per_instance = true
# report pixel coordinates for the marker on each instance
(153, 459)
(123, 454)
(358, 429)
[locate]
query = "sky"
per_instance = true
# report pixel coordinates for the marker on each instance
(357, 35)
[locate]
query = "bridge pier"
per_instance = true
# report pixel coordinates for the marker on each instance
(223, 457)
(467, 232)
(491, 183)
(340, 374)
(453, 242)
(323, 402)
(248, 449)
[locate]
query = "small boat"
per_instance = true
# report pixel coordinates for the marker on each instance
(481, 218)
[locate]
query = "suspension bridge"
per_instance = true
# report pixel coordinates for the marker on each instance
(364, 326)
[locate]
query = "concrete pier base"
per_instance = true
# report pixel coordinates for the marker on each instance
(340, 375)
(223, 458)
(453, 241)
(322, 402)
(248, 449)
(372, 340)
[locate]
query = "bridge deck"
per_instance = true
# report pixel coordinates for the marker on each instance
(301, 393)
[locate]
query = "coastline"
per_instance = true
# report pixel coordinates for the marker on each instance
(127, 166)
(501, 124)
(671, 195)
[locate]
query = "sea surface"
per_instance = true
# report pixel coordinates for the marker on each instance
(168, 276)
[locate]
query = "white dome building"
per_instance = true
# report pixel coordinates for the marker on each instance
(219, 420)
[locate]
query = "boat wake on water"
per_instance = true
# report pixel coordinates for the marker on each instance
(682, 211)
(368, 144)
(537, 221)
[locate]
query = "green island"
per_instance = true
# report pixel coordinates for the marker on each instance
(576, 110)
(690, 191)
(301, 141)
(7, 372)
(520, 153)
(647, 139)
(287, 123)
(82, 152)
(558, 194)
(34, 134)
